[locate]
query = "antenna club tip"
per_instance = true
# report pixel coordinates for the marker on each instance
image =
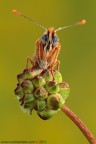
(82, 22)
(15, 12)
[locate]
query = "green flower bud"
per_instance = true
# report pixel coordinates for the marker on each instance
(63, 85)
(46, 74)
(29, 98)
(64, 90)
(38, 82)
(29, 106)
(20, 77)
(31, 73)
(46, 113)
(27, 86)
(19, 91)
(55, 101)
(39, 105)
(57, 76)
(41, 93)
(52, 87)
(27, 102)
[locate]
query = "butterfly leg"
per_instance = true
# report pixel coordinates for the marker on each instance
(29, 59)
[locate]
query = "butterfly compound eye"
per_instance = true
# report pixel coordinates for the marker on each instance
(55, 40)
(44, 38)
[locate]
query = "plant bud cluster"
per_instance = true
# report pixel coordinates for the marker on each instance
(37, 89)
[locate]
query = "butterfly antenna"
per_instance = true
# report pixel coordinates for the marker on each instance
(19, 14)
(81, 22)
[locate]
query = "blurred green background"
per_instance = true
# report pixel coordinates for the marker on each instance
(78, 67)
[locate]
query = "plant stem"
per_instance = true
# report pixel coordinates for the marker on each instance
(80, 124)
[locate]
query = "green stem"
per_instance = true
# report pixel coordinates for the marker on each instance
(80, 124)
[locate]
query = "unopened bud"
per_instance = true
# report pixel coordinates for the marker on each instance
(29, 98)
(46, 113)
(52, 87)
(39, 105)
(41, 93)
(27, 86)
(57, 76)
(19, 91)
(28, 74)
(47, 75)
(38, 82)
(55, 101)
(20, 77)
(64, 90)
